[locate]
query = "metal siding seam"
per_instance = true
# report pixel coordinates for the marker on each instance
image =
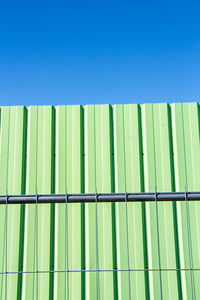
(44, 169)
(165, 210)
(149, 185)
(127, 235)
(60, 279)
(90, 184)
(3, 170)
(15, 214)
(192, 161)
(180, 183)
(28, 284)
(23, 187)
(104, 182)
(120, 186)
(74, 184)
(134, 177)
(52, 217)
(4, 149)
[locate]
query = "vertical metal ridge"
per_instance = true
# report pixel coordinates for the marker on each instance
(171, 147)
(95, 187)
(192, 159)
(113, 208)
(36, 260)
(180, 183)
(4, 131)
(127, 235)
(44, 184)
(165, 210)
(173, 185)
(52, 212)
(61, 281)
(184, 150)
(143, 207)
(149, 185)
(90, 185)
(104, 182)
(82, 142)
(74, 161)
(15, 215)
(121, 252)
(23, 187)
(30, 212)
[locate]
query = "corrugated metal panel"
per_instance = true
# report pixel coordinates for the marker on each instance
(102, 148)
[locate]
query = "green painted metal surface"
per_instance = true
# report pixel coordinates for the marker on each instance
(100, 148)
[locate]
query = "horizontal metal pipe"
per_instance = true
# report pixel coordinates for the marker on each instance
(113, 197)
(100, 270)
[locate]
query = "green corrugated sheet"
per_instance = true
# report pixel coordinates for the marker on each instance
(101, 148)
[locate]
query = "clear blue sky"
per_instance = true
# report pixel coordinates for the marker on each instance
(99, 52)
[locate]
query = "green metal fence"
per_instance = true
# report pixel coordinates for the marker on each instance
(100, 149)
